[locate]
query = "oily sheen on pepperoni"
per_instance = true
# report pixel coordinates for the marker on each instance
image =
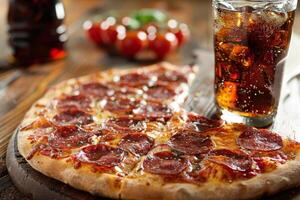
(200, 123)
(48, 150)
(164, 163)
(266, 159)
(153, 111)
(101, 155)
(172, 77)
(123, 92)
(190, 142)
(135, 79)
(96, 89)
(120, 105)
(72, 116)
(73, 102)
(41, 122)
(69, 136)
(126, 124)
(137, 143)
(260, 140)
(234, 160)
(161, 92)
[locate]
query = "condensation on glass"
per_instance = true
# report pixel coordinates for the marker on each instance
(251, 41)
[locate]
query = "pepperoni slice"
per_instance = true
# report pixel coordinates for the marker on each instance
(164, 163)
(237, 161)
(72, 116)
(135, 79)
(72, 102)
(260, 140)
(160, 92)
(70, 136)
(125, 91)
(137, 143)
(191, 142)
(172, 77)
(47, 150)
(41, 122)
(266, 160)
(126, 123)
(101, 155)
(200, 123)
(60, 141)
(153, 111)
(120, 105)
(96, 89)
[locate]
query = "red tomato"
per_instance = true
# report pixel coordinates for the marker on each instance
(94, 32)
(132, 43)
(181, 31)
(110, 30)
(182, 34)
(150, 29)
(163, 44)
(104, 33)
(109, 35)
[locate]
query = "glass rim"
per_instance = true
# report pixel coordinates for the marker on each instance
(287, 5)
(255, 1)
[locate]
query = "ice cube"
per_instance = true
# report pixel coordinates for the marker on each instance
(268, 57)
(234, 34)
(280, 39)
(255, 78)
(227, 94)
(275, 19)
(227, 71)
(258, 101)
(238, 53)
(228, 18)
(268, 73)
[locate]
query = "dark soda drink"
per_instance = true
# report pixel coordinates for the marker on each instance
(250, 49)
(36, 31)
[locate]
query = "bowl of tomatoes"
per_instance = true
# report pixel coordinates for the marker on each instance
(146, 34)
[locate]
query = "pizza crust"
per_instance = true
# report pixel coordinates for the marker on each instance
(148, 186)
(83, 178)
(103, 184)
(151, 187)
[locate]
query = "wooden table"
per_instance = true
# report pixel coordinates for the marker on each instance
(17, 97)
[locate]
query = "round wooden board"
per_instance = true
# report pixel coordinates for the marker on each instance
(36, 185)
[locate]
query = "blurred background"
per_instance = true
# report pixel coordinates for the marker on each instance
(198, 12)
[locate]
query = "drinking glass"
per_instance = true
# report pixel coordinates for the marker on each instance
(251, 42)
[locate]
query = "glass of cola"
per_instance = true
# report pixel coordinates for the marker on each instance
(251, 42)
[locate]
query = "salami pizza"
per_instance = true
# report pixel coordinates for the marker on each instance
(124, 134)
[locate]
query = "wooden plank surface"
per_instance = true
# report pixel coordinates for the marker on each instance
(28, 85)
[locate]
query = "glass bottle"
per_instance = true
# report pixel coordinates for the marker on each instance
(36, 31)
